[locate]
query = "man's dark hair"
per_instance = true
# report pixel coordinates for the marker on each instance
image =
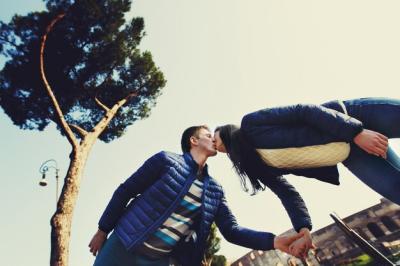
(188, 133)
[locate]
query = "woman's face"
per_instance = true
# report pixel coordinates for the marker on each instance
(218, 142)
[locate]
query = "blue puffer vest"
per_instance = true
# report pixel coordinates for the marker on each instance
(155, 190)
(298, 126)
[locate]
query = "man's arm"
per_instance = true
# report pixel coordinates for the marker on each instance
(97, 242)
(139, 181)
(227, 224)
(146, 175)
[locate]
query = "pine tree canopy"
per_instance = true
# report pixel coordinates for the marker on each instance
(92, 52)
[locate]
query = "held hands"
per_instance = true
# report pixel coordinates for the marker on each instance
(296, 245)
(372, 142)
(97, 242)
(283, 242)
(301, 246)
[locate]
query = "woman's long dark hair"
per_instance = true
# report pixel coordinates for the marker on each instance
(243, 156)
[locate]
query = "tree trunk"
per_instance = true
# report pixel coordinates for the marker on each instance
(62, 218)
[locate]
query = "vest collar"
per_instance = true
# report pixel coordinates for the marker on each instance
(189, 159)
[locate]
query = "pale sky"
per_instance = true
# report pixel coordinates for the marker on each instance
(222, 59)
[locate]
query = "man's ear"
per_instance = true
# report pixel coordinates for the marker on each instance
(193, 140)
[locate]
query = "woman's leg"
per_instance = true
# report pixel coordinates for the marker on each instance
(381, 175)
(381, 115)
(378, 114)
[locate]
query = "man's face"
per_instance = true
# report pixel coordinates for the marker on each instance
(205, 142)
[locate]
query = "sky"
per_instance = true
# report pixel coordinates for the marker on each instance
(222, 60)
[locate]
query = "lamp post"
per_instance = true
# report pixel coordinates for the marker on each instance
(44, 168)
(378, 257)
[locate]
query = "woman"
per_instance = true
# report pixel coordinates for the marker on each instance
(310, 140)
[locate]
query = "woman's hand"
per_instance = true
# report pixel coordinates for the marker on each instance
(300, 247)
(372, 142)
(283, 242)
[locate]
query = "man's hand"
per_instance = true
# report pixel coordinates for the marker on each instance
(97, 242)
(372, 142)
(300, 247)
(283, 242)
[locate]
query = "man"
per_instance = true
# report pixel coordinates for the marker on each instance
(166, 208)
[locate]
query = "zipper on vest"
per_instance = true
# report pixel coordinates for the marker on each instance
(167, 213)
(202, 217)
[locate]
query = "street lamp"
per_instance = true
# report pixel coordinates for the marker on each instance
(46, 166)
(377, 256)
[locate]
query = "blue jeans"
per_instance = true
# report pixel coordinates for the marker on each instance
(382, 175)
(113, 253)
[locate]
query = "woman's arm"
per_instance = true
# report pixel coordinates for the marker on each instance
(226, 223)
(317, 117)
(296, 209)
(291, 200)
(372, 142)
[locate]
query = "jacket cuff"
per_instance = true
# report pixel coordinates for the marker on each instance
(104, 229)
(355, 128)
(303, 225)
(270, 242)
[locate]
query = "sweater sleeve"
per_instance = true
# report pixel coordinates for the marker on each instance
(147, 174)
(227, 224)
(317, 117)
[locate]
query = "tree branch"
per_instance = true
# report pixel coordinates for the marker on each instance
(103, 106)
(80, 130)
(127, 98)
(68, 132)
(103, 123)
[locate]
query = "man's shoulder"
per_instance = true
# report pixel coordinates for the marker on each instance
(175, 161)
(168, 157)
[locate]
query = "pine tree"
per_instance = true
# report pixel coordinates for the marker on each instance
(212, 247)
(76, 64)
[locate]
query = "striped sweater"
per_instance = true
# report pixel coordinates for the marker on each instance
(177, 226)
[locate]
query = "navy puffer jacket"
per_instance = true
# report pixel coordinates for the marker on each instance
(153, 193)
(299, 126)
